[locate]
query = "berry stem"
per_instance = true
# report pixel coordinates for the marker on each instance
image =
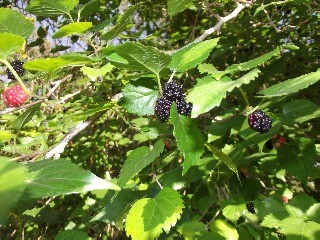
(8, 65)
(172, 74)
(159, 84)
(244, 96)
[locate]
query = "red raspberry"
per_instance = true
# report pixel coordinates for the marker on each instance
(14, 96)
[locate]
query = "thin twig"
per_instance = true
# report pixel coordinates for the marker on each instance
(7, 110)
(270, 20)
(57, 150)
(221, 21)
(154, 176)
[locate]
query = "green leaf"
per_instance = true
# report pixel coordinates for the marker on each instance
(139, 100)
(189, 229)
(299, 111)
(51, 64)
(137, 160)
(262, 7)
(313, 212)
(12, 184)
(210, 69)
(257, 61)
(224, 229)
(71, 235)
(9, 44)
(55, 177)
(298, 158)
(298, 206)
(292, 85)
(189, 138)
(176, 6)
(296, 229)
(6, 135)
(191, 55)
(51, 8)
(72, 29)
(117, 206)
(233, 208)
(139, 57)
(208, 93)
(91, 110)
(204, 235)
(272, 207)
(26, 117)
(12, 21)
(224, 158)
(121, 23)
(148, 216)
(94, 73)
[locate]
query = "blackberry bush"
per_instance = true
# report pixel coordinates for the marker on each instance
(162, 108)
(259, 121)
(17, 66)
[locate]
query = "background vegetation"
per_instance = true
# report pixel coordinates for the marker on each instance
(85, 157)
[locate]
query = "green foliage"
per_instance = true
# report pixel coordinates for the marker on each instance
(189, 138)
(85, 157)
(72, 29)
(13, 22)
(147, 217)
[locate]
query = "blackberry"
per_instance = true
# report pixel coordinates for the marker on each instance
(162, 108)
(17, 66)
(259, 121)
(172, 91)
(250, 207)
(183, 107)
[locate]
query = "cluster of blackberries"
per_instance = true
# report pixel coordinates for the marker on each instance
(259, 121)
(172, 92)
(17, 66)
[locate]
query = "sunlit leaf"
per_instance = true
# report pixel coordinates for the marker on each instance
(139, 57)
(12, 184)
(176, 6)
(11, 21)
(55, 177)
(292, 85)
(208, 93)
(191, 55)
(51, 8)
(148, 217)
(51, 64)
(10, 43)
(72, 29)
(139, 100)
(94, 73)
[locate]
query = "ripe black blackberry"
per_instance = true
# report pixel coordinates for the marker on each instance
(250, 207)
(172, 91)
(259, 121)
(17, 66)
(183, 107)
(162, 108)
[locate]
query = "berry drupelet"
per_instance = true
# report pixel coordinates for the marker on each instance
(259, 121)
(162, 108)
(17, 66)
